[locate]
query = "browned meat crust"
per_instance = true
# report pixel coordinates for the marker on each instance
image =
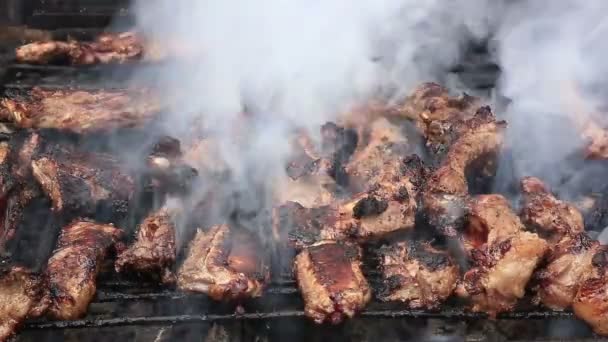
(153, 251)
(81, 183)
(73, 268)
(568, 264)
(504, 260)
(542, 211)
(81, 111)
(107, 48)
(388, 205)
(416, 273)
(330, 279)
(22, 296)
(479, 138)
(225, 263)
(591, 302)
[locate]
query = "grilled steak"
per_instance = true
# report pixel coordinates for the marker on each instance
(73, 268)
(478, 138)
(81, 111)
(330, 279)
(225, 263)
(154, 248)
(84, 184)
(503, 258)
(22, 296)
(107, 48)
(590, 303)
(417, 274)
(542, 211)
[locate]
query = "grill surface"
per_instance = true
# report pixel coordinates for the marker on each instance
(131, 310)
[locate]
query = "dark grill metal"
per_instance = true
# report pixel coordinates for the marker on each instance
(131, 310)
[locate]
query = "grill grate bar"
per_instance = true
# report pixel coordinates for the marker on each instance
(103, 297)
(160, 320)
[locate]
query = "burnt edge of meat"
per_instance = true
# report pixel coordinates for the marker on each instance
(369, 206)
(338, 142)
(301, 224)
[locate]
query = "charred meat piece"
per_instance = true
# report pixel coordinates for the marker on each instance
(504, 260)
(331, 281)
(590, 303)
(154, 248)
(435, 113)
(84, 184)
(81, 111)
(73, 268)
(105, 49)
(568, 264)
(168, 171)
(22, 296)
(416, 273)
(387, 207)
(489, 221)
(225, 263)
(478, 141)
(13, 208)
(545, 213)
(301, 226)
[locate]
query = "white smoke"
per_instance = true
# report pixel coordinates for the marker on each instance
(295, 64)
(553, 61)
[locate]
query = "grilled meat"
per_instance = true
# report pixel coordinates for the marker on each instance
(503, 258)
(568, 264)
(590, 303)
(84, 184)
(168, 171)
(388, 206)
(105, 49)
(154, 248)
(331, 282)
(416, 273)
(22, 296)
(81, 111)
(568, 261)
(435, 113)
(477, 139)
(545, 213)
(225, 263)
(73, 268)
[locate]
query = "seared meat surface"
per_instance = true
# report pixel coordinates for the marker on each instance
(568, 264)
(435, 113)
(388, 206)
(105, 49)
(591, 302)
(331, 282)
(503, 256)
(542, 211)
(72, 270)
(416, 273)
(81, 111)
(153, 251)
(84, 183)
(22, 296)
(225, 263)
(477, 139)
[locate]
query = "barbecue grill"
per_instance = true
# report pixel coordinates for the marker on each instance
(131, 310)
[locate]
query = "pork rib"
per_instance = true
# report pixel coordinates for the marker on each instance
(153, 251)
(105, 49)
(73, 268)
(22, 296)
(331, 282)
(225, 263)
(81, 111)
(417, 274)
